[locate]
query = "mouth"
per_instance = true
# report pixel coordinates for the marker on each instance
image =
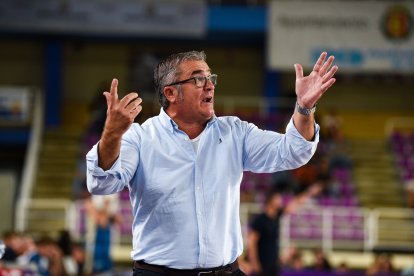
(207, 100)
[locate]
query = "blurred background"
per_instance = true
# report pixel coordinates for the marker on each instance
(57, 57)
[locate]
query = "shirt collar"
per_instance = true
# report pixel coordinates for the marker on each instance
(169, 123)
(166, 121)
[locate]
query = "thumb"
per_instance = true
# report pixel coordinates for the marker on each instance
(108, 98)
(299, 71)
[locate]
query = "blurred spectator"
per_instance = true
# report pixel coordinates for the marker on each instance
(47, 248)
(263, 235)
(408, 271)
(305, 176)
(297, 263)
(66, 246)
(333, 141)
(21, 250)
(329, 187)
(284, 181)
(103, 211)
(382, 265)
(331, 126)
(342, 269)
(321, 263)
(2, 249)
(79, 255)
(409, 187)
(10, 253)
(288, 255)
(291, 260)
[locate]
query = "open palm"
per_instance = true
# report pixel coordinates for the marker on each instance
(310, 89)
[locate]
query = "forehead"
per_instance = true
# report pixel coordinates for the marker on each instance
(192, 67)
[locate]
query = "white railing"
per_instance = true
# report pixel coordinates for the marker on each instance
(30, 163)
(326, 221)
(358, 227)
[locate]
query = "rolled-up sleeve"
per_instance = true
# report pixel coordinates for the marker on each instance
(103, 182)
(269, 151)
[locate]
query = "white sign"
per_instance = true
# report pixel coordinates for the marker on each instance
(374, 36)
(171, 18)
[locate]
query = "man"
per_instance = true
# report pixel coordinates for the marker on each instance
(263, 235)
(183, 168)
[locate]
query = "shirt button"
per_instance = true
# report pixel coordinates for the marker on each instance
(186, 139)
(198, 187)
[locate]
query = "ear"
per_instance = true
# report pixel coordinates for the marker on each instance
(170, 93)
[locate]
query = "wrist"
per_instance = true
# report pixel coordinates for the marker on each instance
(111, 134)
(305, 110)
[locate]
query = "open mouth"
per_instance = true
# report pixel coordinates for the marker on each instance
(208, 99)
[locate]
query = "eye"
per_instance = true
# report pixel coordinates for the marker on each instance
(199, 80)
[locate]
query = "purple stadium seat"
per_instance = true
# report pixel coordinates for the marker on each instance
(316, 233)
(358, 234)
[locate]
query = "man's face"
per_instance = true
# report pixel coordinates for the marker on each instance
(195, 103)
(276, 202)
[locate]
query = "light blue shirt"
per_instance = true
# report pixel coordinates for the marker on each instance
(186, 203)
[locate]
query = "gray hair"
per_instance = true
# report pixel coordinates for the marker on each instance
(167, 72)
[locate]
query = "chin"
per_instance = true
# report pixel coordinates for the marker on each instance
(210, 114)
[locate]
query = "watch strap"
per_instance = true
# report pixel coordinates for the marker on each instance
(305, 111)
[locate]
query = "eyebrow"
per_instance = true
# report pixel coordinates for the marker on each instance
(199, 71)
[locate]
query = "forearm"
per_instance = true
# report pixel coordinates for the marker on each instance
(109, 148)
(305, 124)
(253, 252)
(295, 203)
(253, 257)
(111, 177)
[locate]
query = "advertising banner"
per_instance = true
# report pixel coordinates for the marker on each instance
(152, 18)
(364, 36)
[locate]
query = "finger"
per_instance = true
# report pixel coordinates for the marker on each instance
(128, 98)
(319, 62)
(133, 104)
(114, 89)
(327, 84)
(134, 113)
(299, 71)
(330, 74)
(326, 65)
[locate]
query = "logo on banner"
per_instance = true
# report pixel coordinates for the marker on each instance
(397, 23)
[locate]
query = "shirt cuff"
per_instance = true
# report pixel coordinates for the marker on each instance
(291, 128)
(92, 160)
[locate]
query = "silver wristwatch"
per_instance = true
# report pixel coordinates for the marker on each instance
(305, 111)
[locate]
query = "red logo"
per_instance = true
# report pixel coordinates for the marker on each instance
(397, 23)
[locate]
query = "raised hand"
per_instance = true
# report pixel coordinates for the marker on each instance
(119, 117)
(120, 113)
(310, 89)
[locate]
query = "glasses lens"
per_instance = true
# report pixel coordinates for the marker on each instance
(201, 81)
(213, 79)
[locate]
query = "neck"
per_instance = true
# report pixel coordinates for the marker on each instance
(191, 127)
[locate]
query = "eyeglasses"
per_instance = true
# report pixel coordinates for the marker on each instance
(199, 81)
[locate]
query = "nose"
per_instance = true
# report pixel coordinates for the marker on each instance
(209, 85)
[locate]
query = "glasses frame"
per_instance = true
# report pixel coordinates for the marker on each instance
(198, 79)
